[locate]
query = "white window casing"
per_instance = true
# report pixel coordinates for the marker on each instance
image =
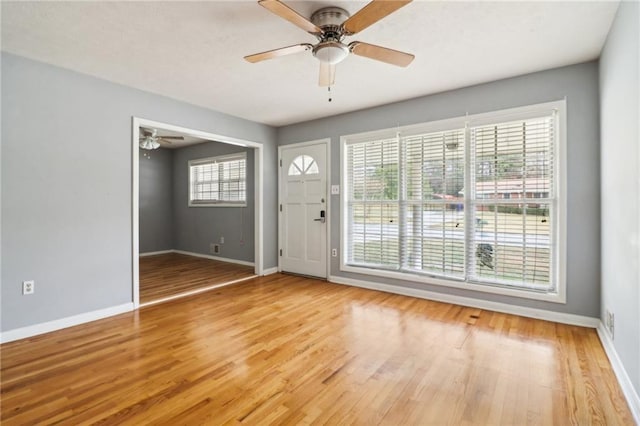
(475, 202)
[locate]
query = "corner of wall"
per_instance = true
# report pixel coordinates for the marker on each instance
(633, 400)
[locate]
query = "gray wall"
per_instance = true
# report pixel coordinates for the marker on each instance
(66, 186)
(156, 200)
(579, 84)
(620, 177)
(195, 228)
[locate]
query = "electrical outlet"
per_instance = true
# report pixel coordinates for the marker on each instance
(28, 287)
(221, 240)
(610, 322)
(214, 248)
(334, 252)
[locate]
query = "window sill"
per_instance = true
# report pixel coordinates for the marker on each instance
(557, 297)
(218, 205)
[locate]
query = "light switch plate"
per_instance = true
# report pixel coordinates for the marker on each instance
(335, 189)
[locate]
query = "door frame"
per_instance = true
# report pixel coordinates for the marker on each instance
(327, 144)
(136, 122)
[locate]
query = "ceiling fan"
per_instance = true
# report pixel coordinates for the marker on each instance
(330, 25)
(150, 140)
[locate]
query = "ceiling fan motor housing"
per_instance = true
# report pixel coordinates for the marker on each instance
(330, 19)
(330, 50)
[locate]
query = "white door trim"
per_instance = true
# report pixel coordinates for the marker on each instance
(327, 143)
(136, 122)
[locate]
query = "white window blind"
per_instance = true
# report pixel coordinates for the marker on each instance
(513, 202)
(434, 175)
(218, 181)
(407, 208)
(374, 204)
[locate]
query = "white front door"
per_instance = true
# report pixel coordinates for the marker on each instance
(303, 198)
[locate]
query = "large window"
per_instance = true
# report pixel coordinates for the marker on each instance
(218, 181)
(472, 202)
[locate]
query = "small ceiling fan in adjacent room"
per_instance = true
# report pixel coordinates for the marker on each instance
(150, 140)
(330, 25)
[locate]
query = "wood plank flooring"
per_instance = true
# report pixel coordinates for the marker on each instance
(291, 350)
(170, 274)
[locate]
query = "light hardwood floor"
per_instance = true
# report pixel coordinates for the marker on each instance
(291, 350)
(170, 274)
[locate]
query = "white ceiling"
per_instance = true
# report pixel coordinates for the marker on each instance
(193, 51)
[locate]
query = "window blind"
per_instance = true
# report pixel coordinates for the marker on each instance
(434, 175)
(373, 205)
(218, 180)
(512, 202)
(408, 209)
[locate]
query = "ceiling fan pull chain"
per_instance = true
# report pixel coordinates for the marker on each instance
(329, 90)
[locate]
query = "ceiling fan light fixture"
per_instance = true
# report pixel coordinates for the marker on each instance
(331, 52)
(149, 143)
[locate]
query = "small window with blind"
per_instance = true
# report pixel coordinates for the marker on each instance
(218, 181)
(409, 212)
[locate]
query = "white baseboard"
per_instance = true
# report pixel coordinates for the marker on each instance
(208, 256)
(46, 327)
(633, 400)
(155, 253)
(559, 317)
(270, 271)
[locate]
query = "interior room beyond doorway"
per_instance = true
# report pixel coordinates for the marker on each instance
(197, 211)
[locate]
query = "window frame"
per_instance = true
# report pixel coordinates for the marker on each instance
(558, 218)
(217, 159)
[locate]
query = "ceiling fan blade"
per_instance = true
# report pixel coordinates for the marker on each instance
(285, 12)
(379, 53)
(372, 13)
(181, 138)
(276, 53)
(327, 74)
(165, 140)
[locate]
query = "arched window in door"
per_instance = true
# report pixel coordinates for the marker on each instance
(303, 165)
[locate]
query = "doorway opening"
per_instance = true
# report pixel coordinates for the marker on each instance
(211, 244)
